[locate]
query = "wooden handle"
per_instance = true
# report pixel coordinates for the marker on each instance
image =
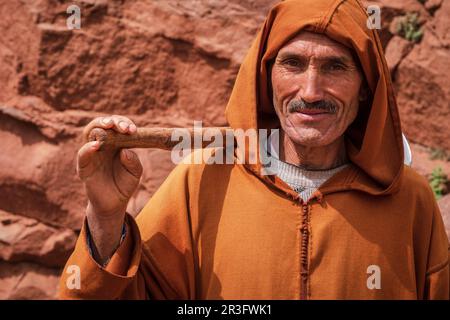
(160, 138)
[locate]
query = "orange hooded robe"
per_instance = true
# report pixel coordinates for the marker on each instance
(225, 231)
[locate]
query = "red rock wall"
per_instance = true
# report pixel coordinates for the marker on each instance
(162, 63)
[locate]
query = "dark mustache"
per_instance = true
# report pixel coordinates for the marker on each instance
(300, 105)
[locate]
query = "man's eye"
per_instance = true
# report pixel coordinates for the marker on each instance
(292, 62)
(335, 67)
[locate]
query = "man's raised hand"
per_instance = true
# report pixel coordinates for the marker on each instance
(110, 178)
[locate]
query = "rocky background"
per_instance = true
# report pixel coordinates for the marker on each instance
(162, 63)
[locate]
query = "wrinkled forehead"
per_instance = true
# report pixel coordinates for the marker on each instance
(307, 43)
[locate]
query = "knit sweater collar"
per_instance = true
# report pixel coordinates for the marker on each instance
(304, 181)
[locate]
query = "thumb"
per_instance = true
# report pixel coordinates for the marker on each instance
(85, 159)
(130, 161)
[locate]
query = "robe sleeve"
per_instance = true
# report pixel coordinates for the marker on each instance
(84, 278)
(437, 276)
(155, 259)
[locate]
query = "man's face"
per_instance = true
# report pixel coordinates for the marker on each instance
(316, 89)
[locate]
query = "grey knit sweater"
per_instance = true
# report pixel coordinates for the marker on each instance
(303, 181)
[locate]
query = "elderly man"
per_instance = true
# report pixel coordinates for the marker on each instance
(342, 218)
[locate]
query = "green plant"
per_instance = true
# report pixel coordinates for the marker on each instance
(438, 182)
(409, 28)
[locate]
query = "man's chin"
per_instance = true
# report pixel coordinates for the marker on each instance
(308, 138)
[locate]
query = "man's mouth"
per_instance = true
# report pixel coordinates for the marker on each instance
(312, 111)
(311, 115)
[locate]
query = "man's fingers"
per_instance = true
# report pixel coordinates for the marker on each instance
(100, 122)
(131, 162)
(118, 123)
(127, 171)
(85, 158)
(123, 124)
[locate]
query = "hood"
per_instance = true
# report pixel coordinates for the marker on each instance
(374, 139)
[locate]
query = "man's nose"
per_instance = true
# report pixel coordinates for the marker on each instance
(311, 89)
